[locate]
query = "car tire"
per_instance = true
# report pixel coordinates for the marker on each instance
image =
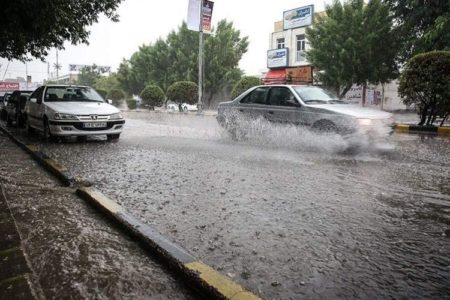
(48, 137)
(325, 126)
(113, 137)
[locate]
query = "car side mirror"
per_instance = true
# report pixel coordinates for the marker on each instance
(33, 100)
(109, 101)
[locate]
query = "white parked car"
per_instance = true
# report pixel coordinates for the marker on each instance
(67, 110)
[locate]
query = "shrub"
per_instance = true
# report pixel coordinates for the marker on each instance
(244, 84)
(131, 103)
(152, 95)
(116, 95)
(102, 93)
(183, 92)
(425, 82)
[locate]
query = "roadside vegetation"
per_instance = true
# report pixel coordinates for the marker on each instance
(183, 92)
(425, 82)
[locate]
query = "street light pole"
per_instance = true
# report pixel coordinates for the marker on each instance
(200, 60)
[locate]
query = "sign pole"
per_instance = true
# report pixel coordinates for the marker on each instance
(200, 60)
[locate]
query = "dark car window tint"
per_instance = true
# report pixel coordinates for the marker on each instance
(257, 96)
(282, 96)
(37, 93)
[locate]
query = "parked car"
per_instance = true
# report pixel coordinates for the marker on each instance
(3, 104)
(188, 107)
(15, 107)
(68, 110)
(311, 106)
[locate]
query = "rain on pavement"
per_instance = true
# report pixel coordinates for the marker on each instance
(286, 213)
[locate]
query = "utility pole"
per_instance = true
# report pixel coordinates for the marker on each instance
(200, 60)
(57, 67)
(26, 74)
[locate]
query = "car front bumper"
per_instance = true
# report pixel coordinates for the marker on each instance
(77, 128)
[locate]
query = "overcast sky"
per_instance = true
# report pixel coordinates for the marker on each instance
(143, 21)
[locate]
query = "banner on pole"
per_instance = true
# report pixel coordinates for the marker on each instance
(193, 19)
(207, 10)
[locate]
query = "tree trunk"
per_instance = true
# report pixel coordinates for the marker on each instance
(364, 95)
(382, 96)
(423, 115)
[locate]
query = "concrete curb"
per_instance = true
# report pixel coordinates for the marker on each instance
(49, 164)
(206, 279)
(407, 128)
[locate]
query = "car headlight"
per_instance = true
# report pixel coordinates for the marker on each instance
(115, 116)
(59, 116)
(365, 122)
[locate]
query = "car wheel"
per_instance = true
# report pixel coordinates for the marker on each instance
(112, 137)
(47, 132)
(325, 126)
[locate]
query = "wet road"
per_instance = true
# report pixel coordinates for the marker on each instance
(284, 213)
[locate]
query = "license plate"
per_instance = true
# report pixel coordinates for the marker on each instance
(94, 125)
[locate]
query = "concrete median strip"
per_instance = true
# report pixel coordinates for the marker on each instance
(407, 128)
(206, 278)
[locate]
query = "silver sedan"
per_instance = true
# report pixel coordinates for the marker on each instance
(310, 106)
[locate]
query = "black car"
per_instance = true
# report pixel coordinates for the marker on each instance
(15, 107)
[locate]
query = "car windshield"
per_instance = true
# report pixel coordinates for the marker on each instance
(317, 95)
(71, 93)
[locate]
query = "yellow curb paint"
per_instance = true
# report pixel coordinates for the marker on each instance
(444, 130)
(225, 286)
(33, 148)
(402, 128)
(56, 165)
(102, 200)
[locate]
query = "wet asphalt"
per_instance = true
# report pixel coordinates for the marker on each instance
(286, 213)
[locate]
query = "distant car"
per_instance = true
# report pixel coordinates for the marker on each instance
(15, 107)
(184, 107)
(310, 106)
(69, 110)
(188, 107)
(3, 104)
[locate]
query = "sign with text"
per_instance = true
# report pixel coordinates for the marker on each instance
(78, 68)
(277, 58)
(6, 86)
(299, 17)
(193, 19)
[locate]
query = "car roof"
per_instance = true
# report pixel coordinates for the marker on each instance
(283, 85)
(66, 85)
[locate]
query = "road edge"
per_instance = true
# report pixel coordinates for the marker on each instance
(208, 280)
(408, 128)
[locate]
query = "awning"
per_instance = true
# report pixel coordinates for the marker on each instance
(275, 76)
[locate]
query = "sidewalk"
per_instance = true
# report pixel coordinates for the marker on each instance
(72, 251)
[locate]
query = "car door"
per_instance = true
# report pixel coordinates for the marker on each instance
(254, 105)
(35, 108)
(284, 107)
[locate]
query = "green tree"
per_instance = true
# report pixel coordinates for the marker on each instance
(425, 82)
(107, 83)
(152, 95)
(223, 51)
(88, 75)
(116, 95)
(244, 84)
(32, 27)
(183, 92)
(421, 26)
(176, 59)
(353, 44)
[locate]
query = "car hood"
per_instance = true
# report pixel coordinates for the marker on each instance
(354, 111)
(82, 108)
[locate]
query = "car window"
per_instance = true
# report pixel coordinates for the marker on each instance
(257, 96)
(72, 94)
(37, 94)
(317, 95)
(282, 96)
